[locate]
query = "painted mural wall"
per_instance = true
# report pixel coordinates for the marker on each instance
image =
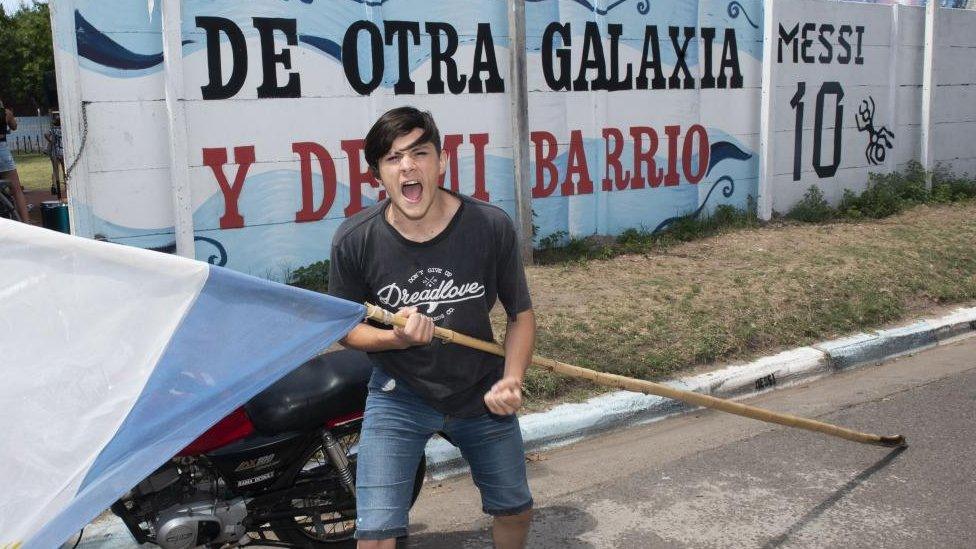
(640, 111)
(628, 108)
(840, 78)
(278, 96)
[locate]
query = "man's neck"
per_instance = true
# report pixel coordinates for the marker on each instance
(437, 219)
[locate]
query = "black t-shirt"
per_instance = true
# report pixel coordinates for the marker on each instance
(454, 278)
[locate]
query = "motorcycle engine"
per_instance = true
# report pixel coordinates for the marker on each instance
(182, 505)
(201, 522)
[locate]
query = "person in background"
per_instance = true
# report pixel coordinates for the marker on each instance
(55, 151)
(8, 170)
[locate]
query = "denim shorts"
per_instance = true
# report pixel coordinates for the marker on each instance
(6, 159)
(397, 426)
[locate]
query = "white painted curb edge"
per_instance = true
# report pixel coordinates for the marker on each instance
(568, 423)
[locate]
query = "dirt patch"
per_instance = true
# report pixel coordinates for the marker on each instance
(36, 198)
(35, 176)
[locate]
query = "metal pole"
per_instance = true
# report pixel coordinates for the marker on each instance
(764, 202)
(894, 83)
(928, 89)
(519, 95)
(179, 169)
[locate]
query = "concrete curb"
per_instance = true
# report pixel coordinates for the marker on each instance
(568, 423)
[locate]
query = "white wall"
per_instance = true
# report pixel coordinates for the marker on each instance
(954, 94)
(886, 75)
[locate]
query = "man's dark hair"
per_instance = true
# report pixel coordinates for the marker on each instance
(393, 124)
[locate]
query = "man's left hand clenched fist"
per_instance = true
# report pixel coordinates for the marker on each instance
(505, 397)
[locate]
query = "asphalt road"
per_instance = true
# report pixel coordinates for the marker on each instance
(713, 480)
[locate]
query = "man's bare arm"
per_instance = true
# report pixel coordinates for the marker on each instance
(505, 397)
(418, 331)
(519, 344)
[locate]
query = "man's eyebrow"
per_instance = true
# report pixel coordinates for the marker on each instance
(420, 141)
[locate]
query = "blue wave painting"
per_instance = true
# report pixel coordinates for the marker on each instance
(371, 3)
(727, 192)
(95, 46)
(602, 212)
(324, 30)
(735, 9)
(324, 45)
(722, 150)
(644, 6)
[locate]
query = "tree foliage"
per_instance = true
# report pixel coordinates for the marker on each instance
(26, 55)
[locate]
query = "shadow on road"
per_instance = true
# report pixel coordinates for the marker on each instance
(847, 488)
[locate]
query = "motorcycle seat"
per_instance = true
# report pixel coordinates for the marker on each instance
(326, 387)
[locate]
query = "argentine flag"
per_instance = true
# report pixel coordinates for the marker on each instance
(114, 358)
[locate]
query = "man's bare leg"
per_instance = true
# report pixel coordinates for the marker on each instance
(55, 179)
(376, 544)
(63, 179)
(19, 201)
(510, 531)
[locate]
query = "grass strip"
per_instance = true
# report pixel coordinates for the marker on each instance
(728, 287)
(746, 293)
(34, 170)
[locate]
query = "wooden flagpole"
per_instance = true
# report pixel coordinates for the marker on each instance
(383, 316)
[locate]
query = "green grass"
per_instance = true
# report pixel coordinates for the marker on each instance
(34, 170)
(313, 277)
(886, 195)
(812, 208)
(557, 248)
(748, 293)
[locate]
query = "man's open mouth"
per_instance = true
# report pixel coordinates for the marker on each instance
(412, 191)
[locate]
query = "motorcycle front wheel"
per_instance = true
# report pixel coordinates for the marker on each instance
(332, 529)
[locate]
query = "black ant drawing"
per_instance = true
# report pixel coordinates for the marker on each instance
(880, 139)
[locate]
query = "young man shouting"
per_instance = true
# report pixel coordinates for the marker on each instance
(437, 258)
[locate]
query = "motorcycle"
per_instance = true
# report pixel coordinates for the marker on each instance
(278, 471)
(7, 208)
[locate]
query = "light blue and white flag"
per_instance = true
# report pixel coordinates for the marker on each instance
(115, 358)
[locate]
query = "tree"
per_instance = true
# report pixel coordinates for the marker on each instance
(26, 55)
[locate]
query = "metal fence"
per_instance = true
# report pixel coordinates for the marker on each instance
(29, 137)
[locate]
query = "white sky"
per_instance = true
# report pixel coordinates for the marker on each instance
(12, 5)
